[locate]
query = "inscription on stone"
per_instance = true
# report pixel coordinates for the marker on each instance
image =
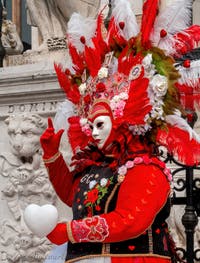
(32, 107)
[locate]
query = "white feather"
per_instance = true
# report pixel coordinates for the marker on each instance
(174, 18)
(122, 11)
(177, 121)
(80, 26)
(191, 75)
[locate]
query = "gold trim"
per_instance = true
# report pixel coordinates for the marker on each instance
(110, 197)
(118, 256)
(52, 159)
(69, 232)
(102, 111)
(150, 240)
(106, 246)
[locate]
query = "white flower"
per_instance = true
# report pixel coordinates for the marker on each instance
(103, 73)
(123, 96)
(129, 164)
(82, 88)
(122, 170)
(157, 112)
(147, 60)
(103, 182)
(83, 121)
(92, 184)
(159, 85)
(116, 98)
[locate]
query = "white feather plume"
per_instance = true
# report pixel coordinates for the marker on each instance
(177, 121)
(174, 18)
(122, 11)
(191, 75)
(79, 26)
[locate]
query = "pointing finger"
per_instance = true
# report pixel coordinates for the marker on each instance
(50, 123)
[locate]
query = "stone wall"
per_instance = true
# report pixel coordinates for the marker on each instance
(28, 95)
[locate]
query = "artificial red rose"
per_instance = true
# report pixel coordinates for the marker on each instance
(87, 99)
(100, 87)
(92, 196)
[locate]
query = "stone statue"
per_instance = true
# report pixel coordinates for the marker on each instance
(26, 182)
(51, 16)
(10, 38)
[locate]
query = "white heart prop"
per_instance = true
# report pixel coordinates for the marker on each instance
(41, 220)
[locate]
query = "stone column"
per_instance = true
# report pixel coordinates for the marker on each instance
(196, 10)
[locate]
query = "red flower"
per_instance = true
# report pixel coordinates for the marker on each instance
(100, 87)
(87, 99)
(92, 196)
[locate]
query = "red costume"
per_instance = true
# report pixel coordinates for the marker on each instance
(121, 217)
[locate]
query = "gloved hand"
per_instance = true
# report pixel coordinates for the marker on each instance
(59, 234)
(50, 140)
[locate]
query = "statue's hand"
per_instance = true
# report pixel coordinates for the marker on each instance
(50, 140)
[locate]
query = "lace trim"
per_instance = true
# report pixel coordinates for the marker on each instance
(91, 229)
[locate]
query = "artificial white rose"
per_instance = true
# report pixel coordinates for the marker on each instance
(103, 73)
(123, 96)
(103, 182)
(147, 60)
(82, 88)
(92, 184)
(83, 121)
(159, 85)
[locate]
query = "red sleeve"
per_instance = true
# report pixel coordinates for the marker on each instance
(61, 179)
(141, 196)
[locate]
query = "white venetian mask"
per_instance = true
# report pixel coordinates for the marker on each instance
(101, 130)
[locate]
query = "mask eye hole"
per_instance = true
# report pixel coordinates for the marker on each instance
(91, 127)
(100, 125)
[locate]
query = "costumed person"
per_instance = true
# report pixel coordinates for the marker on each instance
(123, 84)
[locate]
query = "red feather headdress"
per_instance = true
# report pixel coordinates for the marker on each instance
(141, 75)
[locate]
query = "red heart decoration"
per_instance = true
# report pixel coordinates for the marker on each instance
(157, 231)
(131, 248)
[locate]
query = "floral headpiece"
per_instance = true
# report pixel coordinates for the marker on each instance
(134, 71)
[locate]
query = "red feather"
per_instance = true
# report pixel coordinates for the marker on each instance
(138, 104)
(178, 143)
(150, 9)
(103, 47)
(189, 95)
(77, 59)
(187, 39)
(93, 59)
(77, 138)
(127, 60)
(114, 37)
(71, 90)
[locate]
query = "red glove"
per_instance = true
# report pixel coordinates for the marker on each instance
(50, 140)
(59, 235)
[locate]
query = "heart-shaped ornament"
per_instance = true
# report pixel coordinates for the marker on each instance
(41, 220)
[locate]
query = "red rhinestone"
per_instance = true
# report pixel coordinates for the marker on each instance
(186, 63)
(163, 33)
(121, 25)
(82, 39)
